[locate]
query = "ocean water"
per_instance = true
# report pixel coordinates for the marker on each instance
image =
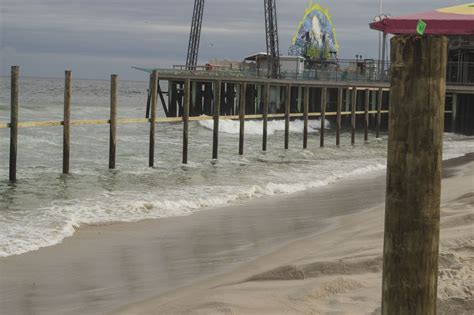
(44, 206)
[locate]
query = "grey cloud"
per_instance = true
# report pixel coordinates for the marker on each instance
(99, 37)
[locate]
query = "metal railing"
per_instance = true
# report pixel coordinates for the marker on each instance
(340, 71)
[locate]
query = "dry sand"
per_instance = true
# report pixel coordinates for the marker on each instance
(312, 252)
(336, 271)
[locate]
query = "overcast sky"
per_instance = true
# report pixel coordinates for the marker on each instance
(95, 38)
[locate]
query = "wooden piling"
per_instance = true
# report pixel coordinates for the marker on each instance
(366, 115)
(305, 117)
(154, 98)
(338, 118)
(414, 169)
(67, 121)
(187, 101)
(353, 114)
(379, 113)
(113, 121)
(287, 116)
(243, 92)
(266, 103)
(217, 110)
(324, 94)
(15, 72)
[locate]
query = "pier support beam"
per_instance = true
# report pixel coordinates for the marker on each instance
(324, 94)
(113, 121)
(454, 112)
(353, 114)
(154, 98)
(340, 100)
(266, 103)
(366, 115)
(186, 105)
(15, 72)
(67, 121)
(379, 113)
(287, 116)
(305, 116)
(414, 168)
(243, 92)
(217, 111)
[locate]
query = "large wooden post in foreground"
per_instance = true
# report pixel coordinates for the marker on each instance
(411, 243)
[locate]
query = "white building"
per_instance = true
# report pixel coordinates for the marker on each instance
(290, 65)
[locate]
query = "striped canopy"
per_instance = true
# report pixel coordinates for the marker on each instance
(457, 20)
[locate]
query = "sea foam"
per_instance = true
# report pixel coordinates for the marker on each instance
(255, 127)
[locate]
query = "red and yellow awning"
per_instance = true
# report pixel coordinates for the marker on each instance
(457, 20)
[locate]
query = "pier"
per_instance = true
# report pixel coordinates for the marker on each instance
(214, 95)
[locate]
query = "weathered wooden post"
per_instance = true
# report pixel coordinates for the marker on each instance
(412, 215)
(266, 102)
(243, 92)
(187, 100)
(287, 116)
(305, 117)
(113, 121)
(324, 94)
(15, 72)
(154, 98)
(338, 118)
(67, 121)
(353, 114)
(366, 115)
(217, 110)
(379, 113)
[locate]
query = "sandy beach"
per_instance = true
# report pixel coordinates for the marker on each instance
(315, 252)
(336, 271)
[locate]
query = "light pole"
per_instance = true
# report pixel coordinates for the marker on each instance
(382, 40)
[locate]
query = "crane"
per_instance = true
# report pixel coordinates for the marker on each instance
(195, 34)
(271, 30)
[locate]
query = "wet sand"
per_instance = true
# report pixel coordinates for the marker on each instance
(107, 268)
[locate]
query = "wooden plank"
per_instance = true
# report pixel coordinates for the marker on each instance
(366, 115)
(113, 121)
(125, 121)
(217, 110)
(379, 112)
(243, 92)
(287, 116)
(266, 103)
(353, 115)
(305, 116)
(187, 101)
(414, 171)
(89, 122)
(154, 99)
(340, 95)
(67, 121)
(14, 77)
(324, 94)
(276, 115)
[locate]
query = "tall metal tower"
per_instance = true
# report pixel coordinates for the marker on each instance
(195, 34)
(273, 48)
